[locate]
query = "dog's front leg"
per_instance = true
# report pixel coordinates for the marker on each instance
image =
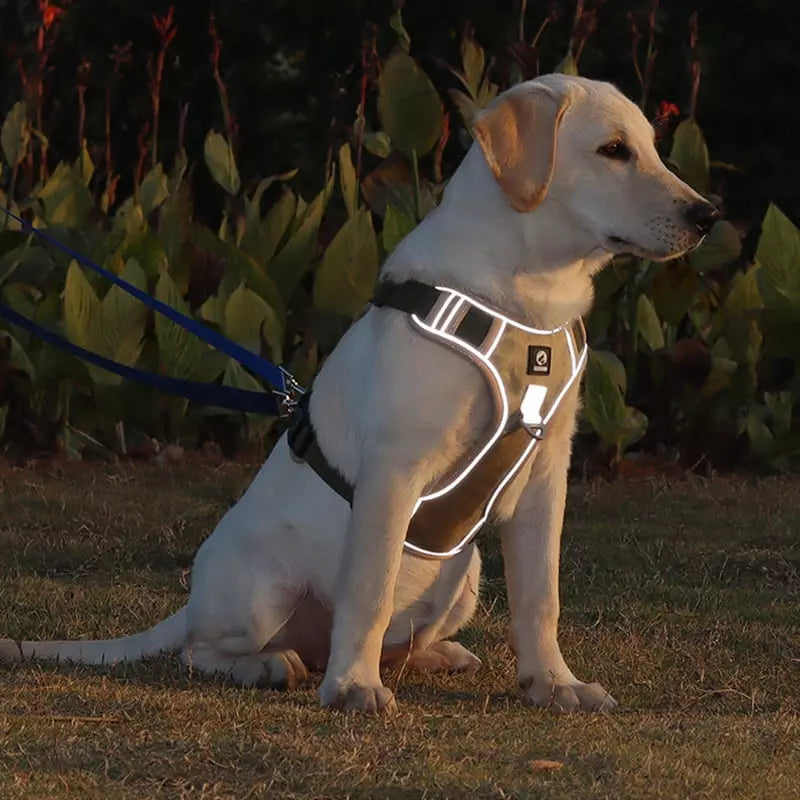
(531, 549)
(382, 507)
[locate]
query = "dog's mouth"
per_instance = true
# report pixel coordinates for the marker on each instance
(618, 245)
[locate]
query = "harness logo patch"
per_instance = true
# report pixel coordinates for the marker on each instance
(539, 359)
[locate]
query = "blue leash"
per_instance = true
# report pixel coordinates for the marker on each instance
(279, 401)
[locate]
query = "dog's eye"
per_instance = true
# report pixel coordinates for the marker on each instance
(617, 150)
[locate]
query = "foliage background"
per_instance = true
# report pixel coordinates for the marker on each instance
(697, 362)
(292, 69)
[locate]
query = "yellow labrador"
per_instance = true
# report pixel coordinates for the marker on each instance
(563, 174)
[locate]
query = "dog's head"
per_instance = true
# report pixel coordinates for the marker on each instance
(584, 146)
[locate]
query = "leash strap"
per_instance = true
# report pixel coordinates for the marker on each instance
(276, 403)
(259, 366)
(212, 394)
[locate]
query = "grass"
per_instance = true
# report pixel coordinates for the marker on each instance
(682, 599)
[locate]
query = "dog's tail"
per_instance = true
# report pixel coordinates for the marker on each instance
(165, 637)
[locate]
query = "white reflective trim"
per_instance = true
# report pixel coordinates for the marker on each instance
(440, 313)
(492, 313)
(503, 415)
(575, 373)
(571, 346)
(452, 315)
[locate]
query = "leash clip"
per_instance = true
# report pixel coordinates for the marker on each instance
(288, 399)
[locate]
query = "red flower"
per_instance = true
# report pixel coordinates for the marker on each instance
(667, 109)
(49, 14)
(164, 26)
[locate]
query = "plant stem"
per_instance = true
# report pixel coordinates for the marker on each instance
(696, 66)
(651, 53)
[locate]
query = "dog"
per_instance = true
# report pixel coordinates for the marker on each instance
(562, 175)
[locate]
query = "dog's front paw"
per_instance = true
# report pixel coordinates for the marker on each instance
(567, 697)
(352, 697)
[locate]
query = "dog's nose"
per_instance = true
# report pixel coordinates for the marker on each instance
(702, 215)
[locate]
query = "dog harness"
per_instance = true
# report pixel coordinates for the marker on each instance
(448, 516)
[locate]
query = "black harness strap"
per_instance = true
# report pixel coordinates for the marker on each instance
(418, 298)
(302, 439)
(413, 297)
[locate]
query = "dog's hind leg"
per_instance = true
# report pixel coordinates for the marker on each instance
(237, 633)
(269, 669)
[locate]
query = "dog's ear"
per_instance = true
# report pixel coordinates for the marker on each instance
(517, 134)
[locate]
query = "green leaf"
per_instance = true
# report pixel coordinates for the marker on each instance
(473, 61)
(673, 290)
(347, 179)
(739, 324)
(15, 134)
(221, 162)
(408, 105)
(83, 168)
(719, 378)
(780, 407)
(568, 65)
(778, 253)
(240, 266)
(396, 226)
(604, 406)
(648, 325)
(744, 296)
(153, 190)
(466, 105)
(294, 259)
(614, 367)
(176, 174)
(274, 226)
(66, 200)
(248, 318)
(175, 223)
(762, 442)
(250, 239)
(182, 354)
(14, 357)
(722, 246)
(603, 402)
(396, 24)
(690, 155)
(378, 143)
(118, 332)
(81, 306)
(346, 277)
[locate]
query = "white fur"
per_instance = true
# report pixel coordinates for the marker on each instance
(291, 574)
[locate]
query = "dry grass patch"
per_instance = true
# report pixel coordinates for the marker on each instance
(683, 599)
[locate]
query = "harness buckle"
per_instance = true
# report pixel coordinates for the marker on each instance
(536, 431)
